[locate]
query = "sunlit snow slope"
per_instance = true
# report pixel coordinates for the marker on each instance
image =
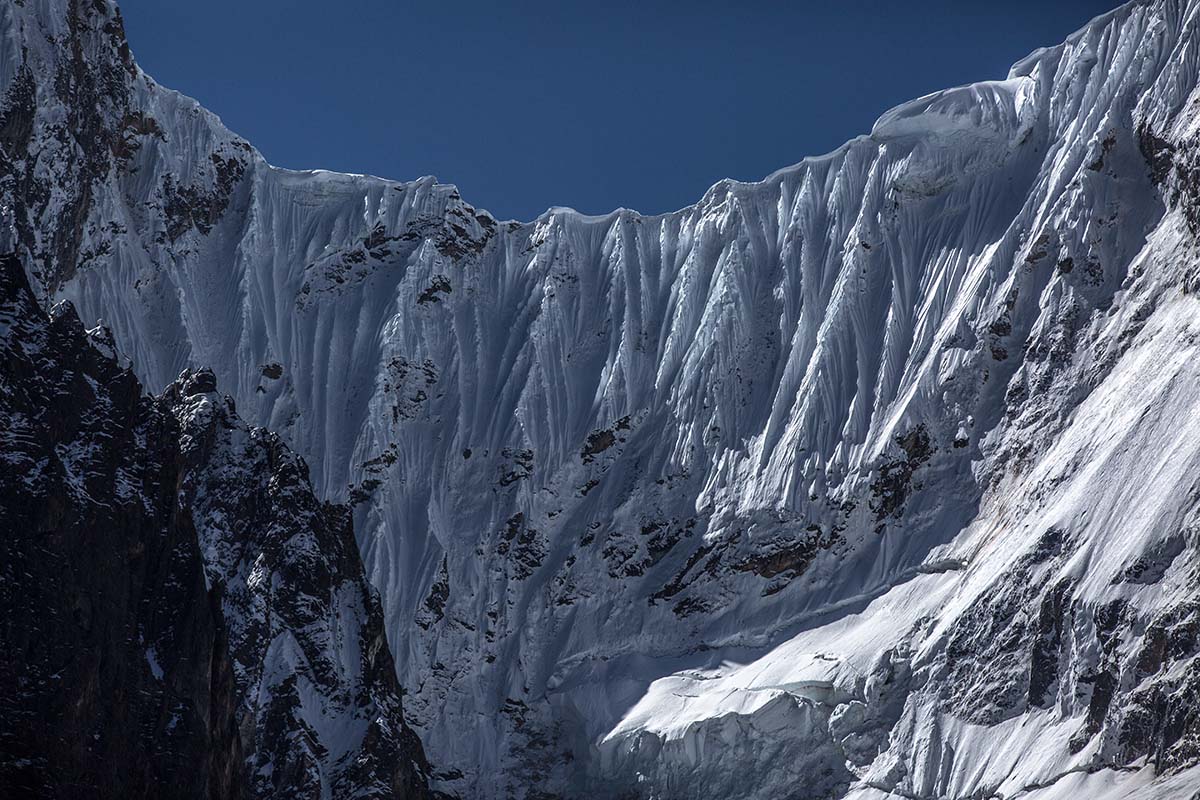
(877, 478)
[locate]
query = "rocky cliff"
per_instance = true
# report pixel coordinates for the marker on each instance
(115, 656)
(154, 646)
(320, 703)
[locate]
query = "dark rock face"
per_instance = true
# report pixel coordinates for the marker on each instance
(320, 703)
(118, 679)
(180, 614)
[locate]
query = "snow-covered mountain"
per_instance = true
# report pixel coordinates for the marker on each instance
(875, 478)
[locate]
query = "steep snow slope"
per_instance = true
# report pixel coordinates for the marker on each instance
(871, 477)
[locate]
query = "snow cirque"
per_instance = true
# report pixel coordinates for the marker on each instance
(873, 478)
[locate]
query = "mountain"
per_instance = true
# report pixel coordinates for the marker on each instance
(181, 615)
(875, 478)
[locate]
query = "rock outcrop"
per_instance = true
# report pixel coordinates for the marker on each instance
(181, 616)
(115, 655)
(320, 703)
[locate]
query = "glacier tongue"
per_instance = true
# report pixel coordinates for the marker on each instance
(871, 477)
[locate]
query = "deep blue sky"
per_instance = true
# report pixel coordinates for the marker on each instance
(593, 105)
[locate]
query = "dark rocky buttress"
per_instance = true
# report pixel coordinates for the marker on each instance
(179, 614)
(321, 704)
(117, 678)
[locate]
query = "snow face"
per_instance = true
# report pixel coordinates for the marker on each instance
(871, 477)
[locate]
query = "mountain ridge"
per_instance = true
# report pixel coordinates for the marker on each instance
(620, 480)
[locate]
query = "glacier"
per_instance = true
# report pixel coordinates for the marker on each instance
(874, 478)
